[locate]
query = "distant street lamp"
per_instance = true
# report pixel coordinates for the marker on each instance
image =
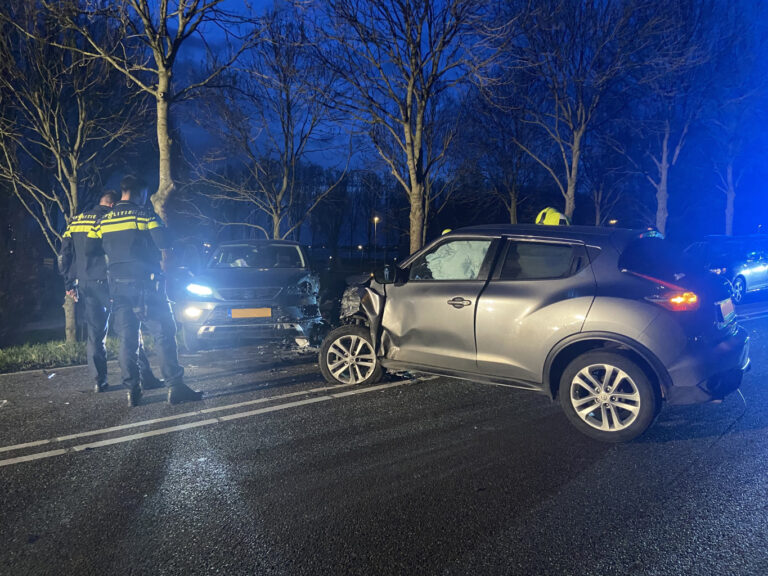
(376, 220)
(613, 222)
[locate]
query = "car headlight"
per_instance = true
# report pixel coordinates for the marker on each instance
(199, 290)
(192, 312)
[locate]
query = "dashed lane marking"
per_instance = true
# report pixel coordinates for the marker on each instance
(195, 424)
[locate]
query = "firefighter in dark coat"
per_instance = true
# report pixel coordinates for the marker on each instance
(132, 237)
(85, 280)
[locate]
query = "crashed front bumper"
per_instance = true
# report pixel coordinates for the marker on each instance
(217, 320)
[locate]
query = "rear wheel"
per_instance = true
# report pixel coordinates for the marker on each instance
(607, 396)
(347, 357)
(739, 289)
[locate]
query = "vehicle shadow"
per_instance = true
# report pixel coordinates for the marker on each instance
(705, 421)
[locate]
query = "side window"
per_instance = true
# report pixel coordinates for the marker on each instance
(452, 260)
(539, 261)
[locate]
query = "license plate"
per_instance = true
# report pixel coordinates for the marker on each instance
(727, 309)
(250, 313)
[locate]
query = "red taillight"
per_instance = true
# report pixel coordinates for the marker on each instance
(677, 301)
(675, 298)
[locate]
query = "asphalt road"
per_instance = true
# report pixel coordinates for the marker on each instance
(273, 473)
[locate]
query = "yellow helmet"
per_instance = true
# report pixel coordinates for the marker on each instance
(551, 217)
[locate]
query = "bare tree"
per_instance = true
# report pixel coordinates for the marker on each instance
(567, 55)
(63, 117)
(150, 38)
(396, 58)
(671, 95)
(736, 46)
(270, 124)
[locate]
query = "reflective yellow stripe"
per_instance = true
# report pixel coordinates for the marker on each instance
(79, 228)
(66, 233)
(109, 227)
(153, 224)
(111, 220)
(95, 232)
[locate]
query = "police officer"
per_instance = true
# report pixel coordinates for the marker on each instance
(85, 279)
(132, 238)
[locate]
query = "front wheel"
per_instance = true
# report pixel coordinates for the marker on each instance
(739, 289)
(607, 396)
(347, 357)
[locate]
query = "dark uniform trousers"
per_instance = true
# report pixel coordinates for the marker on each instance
(143, 304)
(94, 295)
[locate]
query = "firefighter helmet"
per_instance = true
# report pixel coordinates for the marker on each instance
(551, 217)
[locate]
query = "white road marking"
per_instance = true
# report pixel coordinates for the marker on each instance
(749, 318)
(166, 418)
(200, 423)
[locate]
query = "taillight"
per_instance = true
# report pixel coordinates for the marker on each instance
(672, 297)
(676, 301)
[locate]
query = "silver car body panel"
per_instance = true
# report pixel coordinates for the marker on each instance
(520, 332)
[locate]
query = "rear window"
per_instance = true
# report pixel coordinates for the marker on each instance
(538, 261)
(657, 258)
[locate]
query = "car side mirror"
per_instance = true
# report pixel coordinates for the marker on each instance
(387, 274)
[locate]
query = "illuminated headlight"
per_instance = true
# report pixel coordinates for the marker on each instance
(199, 290)
(192, 312)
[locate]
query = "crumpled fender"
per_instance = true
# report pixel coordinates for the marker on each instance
(372, 305)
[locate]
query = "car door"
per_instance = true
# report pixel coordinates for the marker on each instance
(539, 294)
(429, 320)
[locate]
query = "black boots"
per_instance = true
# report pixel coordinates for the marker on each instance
(100, 387)
(182, 393)
(134, 397)
(151, 383)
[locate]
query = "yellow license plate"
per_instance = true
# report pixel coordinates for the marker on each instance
(251, 312)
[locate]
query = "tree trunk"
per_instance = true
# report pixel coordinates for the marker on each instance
(573, 176)
(416, 217)
(730, 200)
(165, 187)
(70, 324)
(513, 209)
(662, 187)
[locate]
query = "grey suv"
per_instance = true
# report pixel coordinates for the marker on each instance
(613, 322)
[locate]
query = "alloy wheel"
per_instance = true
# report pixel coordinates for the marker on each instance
(739, 288)
(350, 359)
(605, 397)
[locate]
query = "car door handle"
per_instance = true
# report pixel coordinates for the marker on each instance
(459, 302)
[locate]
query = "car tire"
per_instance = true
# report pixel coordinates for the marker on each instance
(739, 290)
(625, 401)
(347, 357)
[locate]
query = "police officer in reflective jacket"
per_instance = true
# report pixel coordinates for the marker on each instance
(85, 280)
(132, 238)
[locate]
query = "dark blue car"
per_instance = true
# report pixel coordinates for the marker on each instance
(254, 289)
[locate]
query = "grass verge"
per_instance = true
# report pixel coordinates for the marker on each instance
(51, 355)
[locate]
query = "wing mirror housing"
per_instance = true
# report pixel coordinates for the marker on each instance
(388, 274)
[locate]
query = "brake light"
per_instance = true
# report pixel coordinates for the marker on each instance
(675, 298)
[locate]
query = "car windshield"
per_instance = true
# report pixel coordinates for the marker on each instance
(260, 256)
(656, 257)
